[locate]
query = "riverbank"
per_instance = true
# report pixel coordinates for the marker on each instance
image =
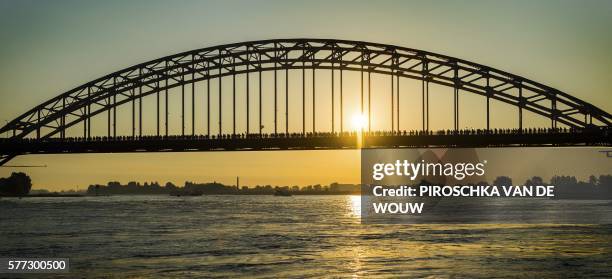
(49, 195)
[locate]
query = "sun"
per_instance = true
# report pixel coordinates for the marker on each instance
(359, 122)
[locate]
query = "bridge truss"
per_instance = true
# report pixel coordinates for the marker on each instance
(51, 119)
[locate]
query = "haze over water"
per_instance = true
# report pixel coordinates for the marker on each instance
(300, 236)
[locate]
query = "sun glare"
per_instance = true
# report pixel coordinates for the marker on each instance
(359, 122)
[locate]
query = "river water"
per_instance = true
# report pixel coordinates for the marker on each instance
(300, 236)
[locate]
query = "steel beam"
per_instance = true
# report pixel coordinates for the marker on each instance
(75, 106)
(287, 101)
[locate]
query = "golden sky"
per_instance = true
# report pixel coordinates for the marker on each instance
(51, 47)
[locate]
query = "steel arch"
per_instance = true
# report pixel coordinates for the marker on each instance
(231, 59)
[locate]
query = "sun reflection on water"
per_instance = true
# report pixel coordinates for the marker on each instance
(354, 205)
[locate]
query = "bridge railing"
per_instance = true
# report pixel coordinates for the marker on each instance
(596, 131)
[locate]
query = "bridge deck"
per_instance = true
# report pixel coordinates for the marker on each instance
(295, 142)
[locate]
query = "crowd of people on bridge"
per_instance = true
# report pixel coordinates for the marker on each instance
(463, 132)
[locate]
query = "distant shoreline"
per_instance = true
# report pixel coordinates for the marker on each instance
(50, 195)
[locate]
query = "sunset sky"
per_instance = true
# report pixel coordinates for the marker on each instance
(49, 47)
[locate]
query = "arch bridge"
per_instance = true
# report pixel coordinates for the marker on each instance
(223, 100)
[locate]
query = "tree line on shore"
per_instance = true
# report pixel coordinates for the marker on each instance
(215, 188)
(20, 184)
(565, 186)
